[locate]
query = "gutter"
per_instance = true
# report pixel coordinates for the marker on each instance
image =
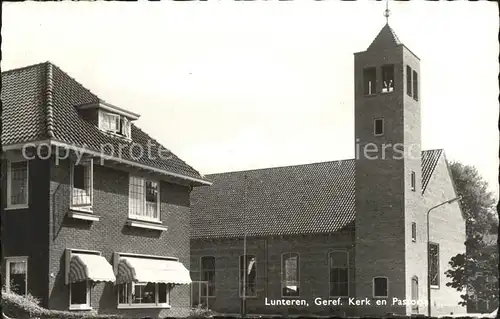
(101, 155)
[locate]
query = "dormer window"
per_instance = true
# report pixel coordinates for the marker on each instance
(387, 78)
(114, 123)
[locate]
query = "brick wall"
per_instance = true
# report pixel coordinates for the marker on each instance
(447, 228)
(24, 230)
(110, 234)
(314, 271)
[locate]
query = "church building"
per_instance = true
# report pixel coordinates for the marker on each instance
(361, 236)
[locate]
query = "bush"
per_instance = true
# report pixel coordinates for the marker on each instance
(23, 307)
(200, 312)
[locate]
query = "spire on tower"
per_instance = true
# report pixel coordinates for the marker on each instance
(387, 12)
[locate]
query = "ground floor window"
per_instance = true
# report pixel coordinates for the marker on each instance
(143, 294)
(248, 276)
(380, 287)
(339, 273)
(17, 275)
(79, 295)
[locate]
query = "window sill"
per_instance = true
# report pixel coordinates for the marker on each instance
(80, 307)
(144, 306)
(17, 207)
(157, 225)
(249, 297)
(82, 214)
(434, 287)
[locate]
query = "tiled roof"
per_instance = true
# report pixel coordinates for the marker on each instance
(39, 103)
(386, 38)
(311, 198)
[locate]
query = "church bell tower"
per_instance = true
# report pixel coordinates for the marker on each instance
(388, 171)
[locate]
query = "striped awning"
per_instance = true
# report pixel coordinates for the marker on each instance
(135, 269)
(90, 267)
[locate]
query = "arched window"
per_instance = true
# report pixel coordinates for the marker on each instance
(290, 280)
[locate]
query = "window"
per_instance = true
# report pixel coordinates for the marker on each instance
(415, 85)
(16, 279)
(109, 122)
(413, 181)
(17, 184)
(339, 273)
(378, 127)
(208, 275)
(408, 80)
(290, 282)
(387, 78)
(369, 81)
(248, 276)
(114, 123)
(81, 184)
(143, 294)
(434, 264)
(414, 232)
(380, 287)
(144, 199)
(414, 293)
(79, 295)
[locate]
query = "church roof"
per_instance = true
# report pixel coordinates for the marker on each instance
(302, 199)
(39, 104)
(386, 38)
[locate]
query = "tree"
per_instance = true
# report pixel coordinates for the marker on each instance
(476, 272)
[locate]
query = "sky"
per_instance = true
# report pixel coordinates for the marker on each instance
(234, 85)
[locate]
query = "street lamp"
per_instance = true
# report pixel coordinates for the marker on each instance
(428, 253)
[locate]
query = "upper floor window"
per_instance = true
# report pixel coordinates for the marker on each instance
(434, 265)
(114, 123)
(369, 81)
(81, 184)
(144, 199)
(408, 81)
(413, 181)
(415, 85)
(16, 275)
(380, 287)
(387, 78)
(378, 127)
(339, 273)
(248, 276)
(413, 231)
(208, 275)
(290, 282)
(17, 184)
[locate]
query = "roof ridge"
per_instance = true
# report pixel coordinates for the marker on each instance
(49, 87)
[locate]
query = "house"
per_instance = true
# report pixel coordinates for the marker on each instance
(343, 237)
(96, 215)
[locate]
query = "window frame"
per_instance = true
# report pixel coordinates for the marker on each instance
(330, 269)
(372, 89)
(414, 232)
(87, 305)
(375, 126)
(14, 259)
(409, 81)
(9, 184)
(102, 114)
(158, 198)
(131, 305)
(88, 164)
(387, 287)
(240, 279)
(438, 267)
(415, 85)
(283, 273)
(202, 271)
(392, 67)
